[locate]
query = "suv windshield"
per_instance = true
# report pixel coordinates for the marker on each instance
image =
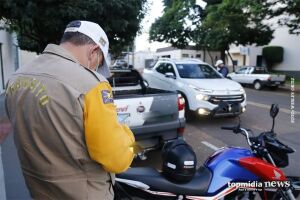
(196, 71)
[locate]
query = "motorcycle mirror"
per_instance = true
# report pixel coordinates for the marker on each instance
(274, 110)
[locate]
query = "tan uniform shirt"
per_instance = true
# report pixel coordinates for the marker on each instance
(66, 128)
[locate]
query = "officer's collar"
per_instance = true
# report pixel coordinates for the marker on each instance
(60, 51)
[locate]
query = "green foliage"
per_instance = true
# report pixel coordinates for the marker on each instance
(171, 27)
(235, 22)
(38, 23)
(221, 23)
(288, 12)
(272, 55)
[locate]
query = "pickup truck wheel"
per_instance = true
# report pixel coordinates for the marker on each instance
(257, 85)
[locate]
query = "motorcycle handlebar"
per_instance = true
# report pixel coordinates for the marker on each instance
(228, 128)
(237, 129)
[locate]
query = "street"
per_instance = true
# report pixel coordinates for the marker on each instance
(204, 135)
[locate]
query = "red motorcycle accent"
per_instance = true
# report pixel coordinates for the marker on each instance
(262, 169)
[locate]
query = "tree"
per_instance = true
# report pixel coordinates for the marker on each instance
(237, 22)
(171, 26)
(288, 13)
(272, 55)
(38, 23)
(221, 23)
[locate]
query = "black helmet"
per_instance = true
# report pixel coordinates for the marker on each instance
(179, 161)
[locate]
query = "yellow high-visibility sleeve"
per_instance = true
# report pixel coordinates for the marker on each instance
(109, 143)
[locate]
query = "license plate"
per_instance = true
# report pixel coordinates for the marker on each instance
(277, 83)
(233, 108)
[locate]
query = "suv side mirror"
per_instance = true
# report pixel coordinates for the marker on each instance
(170, 75)
(274, 110)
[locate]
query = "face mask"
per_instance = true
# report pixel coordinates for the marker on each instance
(92, 68)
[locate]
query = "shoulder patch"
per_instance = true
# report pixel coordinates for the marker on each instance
(107, 96)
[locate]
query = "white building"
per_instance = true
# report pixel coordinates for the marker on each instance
(11, 57)
(142, 59)
(252, 55)
(190, 52)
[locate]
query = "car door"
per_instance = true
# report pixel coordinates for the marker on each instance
(170, 81)
(161, 81)
(249, 75)
(239, 75)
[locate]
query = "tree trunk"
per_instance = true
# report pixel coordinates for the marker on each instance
(233, 66)
(211, 58)
(223, 54)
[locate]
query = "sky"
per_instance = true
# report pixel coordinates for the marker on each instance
(142, 40)
(155, 10)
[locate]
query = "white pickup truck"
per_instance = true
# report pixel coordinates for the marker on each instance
(206, 92)
(154, 116)
(258, 77)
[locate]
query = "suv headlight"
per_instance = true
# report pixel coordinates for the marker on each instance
(202, 97)
(242, 90)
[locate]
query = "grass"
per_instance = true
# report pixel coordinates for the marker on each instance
(296, 80)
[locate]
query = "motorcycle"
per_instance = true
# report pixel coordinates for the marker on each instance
(230, 173)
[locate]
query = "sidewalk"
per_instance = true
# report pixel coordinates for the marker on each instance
(12, 184)
(2, 183)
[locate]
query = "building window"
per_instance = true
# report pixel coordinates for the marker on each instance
(198, 55)
(235, 63)
(259, 60)
(1, 68)
(16, 56)
(185, 55)
(166, 56)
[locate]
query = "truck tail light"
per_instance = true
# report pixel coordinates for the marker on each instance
(269, 78)
(181, 102)
(180, 130)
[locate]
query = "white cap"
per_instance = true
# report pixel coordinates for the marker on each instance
(97, 34)
(219, 62)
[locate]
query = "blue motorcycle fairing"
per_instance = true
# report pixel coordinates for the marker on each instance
(225, 167)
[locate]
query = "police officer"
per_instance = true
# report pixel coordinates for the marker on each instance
(223, 69)
(67, 134)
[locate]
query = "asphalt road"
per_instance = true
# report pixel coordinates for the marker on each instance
(204, 135)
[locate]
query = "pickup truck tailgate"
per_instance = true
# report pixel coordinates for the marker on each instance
(147, 110)
(279, 78)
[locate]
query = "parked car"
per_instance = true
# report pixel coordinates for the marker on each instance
(203, 88)
(258, 77)
(154, 116)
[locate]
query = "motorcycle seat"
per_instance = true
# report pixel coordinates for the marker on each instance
(156, 180)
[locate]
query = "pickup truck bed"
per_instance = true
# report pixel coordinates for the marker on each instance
(152, 114)
(258, 77)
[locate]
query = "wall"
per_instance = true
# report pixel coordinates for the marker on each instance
(291, 46)
(7, 41)
(12, 56)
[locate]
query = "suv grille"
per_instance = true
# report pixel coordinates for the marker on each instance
(228, 98)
